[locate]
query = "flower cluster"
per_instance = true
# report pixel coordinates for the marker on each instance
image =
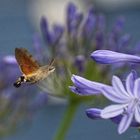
(71, 44)
(126, 110)
(126, 96)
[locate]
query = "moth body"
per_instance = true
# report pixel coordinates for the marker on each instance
(40, 74)
(31, 70)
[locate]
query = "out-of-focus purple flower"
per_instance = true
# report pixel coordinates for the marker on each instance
(99, 36)
(124, 41)
(71, 10)
(99, 40)
(51, 36)
(110, 57)
(114, 37)
(45, 30)
(37, 46)
(83, 86)
(117, 29)
(101, 23)
(136, 49)
(73, 19)
(112, 41)
(9, 59)
(90, 23)
(56, 33)
(8, 70)
(80, 63)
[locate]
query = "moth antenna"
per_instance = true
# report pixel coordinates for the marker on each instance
(52, 62)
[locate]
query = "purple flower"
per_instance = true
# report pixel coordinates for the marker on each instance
(124, 41)
(115, 36)
(73, 19)
(89, 24)
(83, 86)
(110, 57)
(136, 48)
(51, 37)
(45, 30)
(37, 46)
(95, 113)
(8, 70)
(99, 40)
(126, 110)
(101, 22)
(71, 10)
(127, 99)
(80, 63)
(9, 59)
(118, 27)
(56, 33)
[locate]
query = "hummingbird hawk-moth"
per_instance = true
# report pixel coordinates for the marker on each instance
(32, 72)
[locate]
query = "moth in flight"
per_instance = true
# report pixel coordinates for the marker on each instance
(32, 72)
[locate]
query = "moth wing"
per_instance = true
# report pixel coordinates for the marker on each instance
(26, 62)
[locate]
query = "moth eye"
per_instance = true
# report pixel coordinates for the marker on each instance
(51, 68)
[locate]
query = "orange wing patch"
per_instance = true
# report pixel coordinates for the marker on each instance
(25, 60)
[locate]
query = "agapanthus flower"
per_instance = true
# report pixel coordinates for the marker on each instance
(82, 34)
(73, 19)
(119, 25)
(73, 44)
(83, 86)
(90, 23)
(80, 63)
(110, 57)
(95, 114)
(51, 37)
(70, 44)
(126, 98)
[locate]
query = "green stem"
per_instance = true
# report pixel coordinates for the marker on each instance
(67, 120)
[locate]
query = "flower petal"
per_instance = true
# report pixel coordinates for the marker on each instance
(125, 123)
(112, 111)
(137, 114)
(110, 57)
(137, 88)
(93, 113)
(87, 86)
(112, 95)
(119, 88)
(130, 82)
(83, 91)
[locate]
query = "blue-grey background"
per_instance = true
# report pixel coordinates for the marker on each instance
(16, 30)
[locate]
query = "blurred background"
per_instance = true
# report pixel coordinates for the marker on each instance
(19, 22)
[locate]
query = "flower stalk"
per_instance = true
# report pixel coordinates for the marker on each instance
(67, 120)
